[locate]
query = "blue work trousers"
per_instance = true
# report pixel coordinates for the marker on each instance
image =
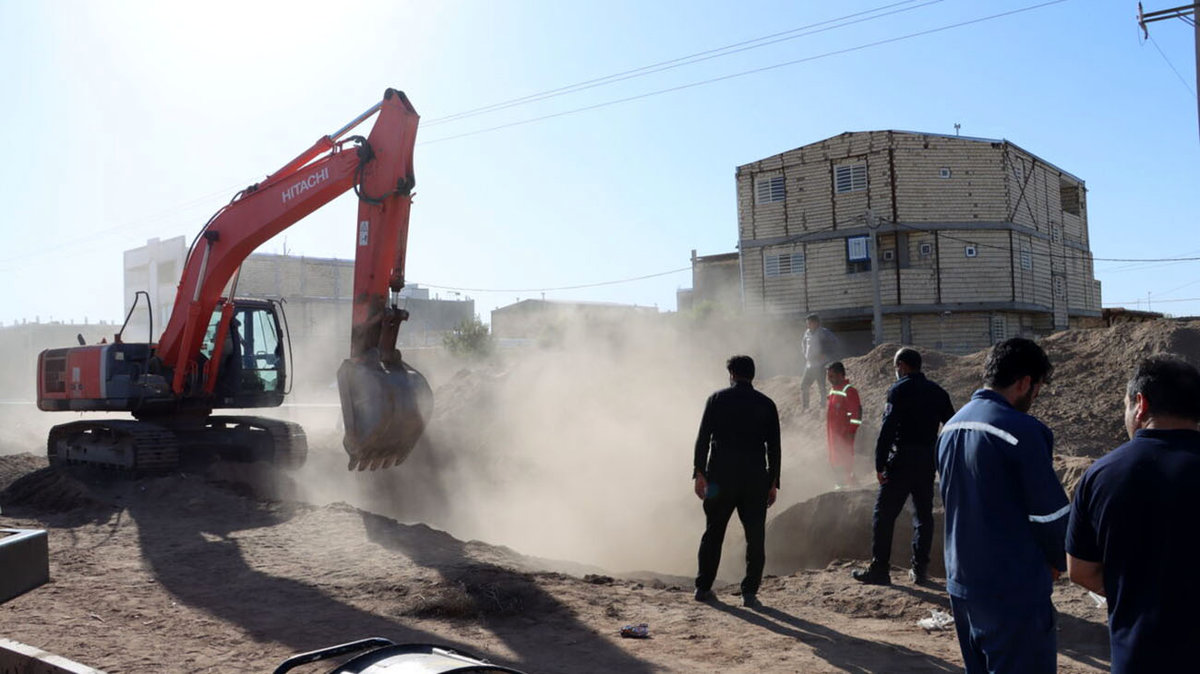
(999, 636)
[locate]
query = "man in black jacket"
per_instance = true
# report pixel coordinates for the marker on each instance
(736, 467)
(905, 463)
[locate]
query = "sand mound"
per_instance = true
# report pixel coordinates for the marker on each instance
(835, 526)
(15, 466)
(46, 489)
(1083, 406)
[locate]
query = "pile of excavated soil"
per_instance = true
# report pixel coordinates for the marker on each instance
(1083, 405)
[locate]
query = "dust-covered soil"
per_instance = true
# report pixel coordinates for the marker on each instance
(579, 465)
(190, 573)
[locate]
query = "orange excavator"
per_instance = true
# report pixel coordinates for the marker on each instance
(218, 351)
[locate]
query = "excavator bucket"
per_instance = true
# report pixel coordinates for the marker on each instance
(384, 409)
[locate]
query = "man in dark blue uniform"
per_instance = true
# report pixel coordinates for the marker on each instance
(1005, 517)
(1132, 535)
(905, 465)
(736, 467)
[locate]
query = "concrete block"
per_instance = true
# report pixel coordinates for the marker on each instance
(25, 559)
(19, 658)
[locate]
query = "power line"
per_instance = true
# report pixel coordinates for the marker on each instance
(1158, 301)
(132, 226)
(544, 290)
(690, 59)
(743, 73)
(1172, 66)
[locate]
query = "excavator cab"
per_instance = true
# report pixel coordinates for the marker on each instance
(253, 365)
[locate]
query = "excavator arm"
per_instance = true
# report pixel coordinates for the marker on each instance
(384, 401)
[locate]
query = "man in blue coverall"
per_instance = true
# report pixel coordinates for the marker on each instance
(1006, 517)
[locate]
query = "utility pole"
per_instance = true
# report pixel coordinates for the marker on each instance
(877, 303)
(1180, 12)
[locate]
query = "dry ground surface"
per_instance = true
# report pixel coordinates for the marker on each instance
(234, 569)
(186, 573)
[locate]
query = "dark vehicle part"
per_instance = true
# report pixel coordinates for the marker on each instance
(388, 656)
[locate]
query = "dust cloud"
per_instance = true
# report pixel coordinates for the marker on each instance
(578, 448)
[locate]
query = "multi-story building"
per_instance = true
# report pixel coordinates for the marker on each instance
(552, 320)
(716, 285)
(977, 240)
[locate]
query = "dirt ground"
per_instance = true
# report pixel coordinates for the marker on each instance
(189, 573)
(239, 567)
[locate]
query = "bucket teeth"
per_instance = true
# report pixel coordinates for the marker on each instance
(384, 410)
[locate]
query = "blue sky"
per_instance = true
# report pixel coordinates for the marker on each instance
(130, 120)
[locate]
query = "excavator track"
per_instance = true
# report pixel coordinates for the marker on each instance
(120, 444)
(156, 447)
(279, 442)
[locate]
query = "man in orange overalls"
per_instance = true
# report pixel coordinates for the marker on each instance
(842, 419)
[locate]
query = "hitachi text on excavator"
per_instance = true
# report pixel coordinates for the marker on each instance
(219, 351)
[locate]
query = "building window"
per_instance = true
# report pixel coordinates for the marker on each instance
(850, 178)
(1059, 287)
(1026, 258)
(858, 254)
(970, 251)
(926, 250)
(1072, 197)
(784, 265)
(768, 189)
(999, 329)
(944, 173)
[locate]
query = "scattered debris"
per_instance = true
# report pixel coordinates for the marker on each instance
(597, 579)
(639, 631)
(939, 620)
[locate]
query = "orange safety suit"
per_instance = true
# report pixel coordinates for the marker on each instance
(842, 419)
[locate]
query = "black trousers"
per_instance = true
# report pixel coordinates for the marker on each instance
(749, 499)
(813, 373)
(889, 503)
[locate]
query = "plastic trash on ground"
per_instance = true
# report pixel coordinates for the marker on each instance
(640, 631)
(1101, 602)
(939, 620)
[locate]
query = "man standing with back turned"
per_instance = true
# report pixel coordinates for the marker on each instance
(1132, 531)
(905, 464)
(1006, 517)
(736, 467)
(820, 347)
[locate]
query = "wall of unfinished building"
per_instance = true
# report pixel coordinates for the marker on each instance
(155, 269)
(981, 229)
(317, 294)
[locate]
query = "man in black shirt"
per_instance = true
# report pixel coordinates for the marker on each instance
(736, 467)
(905, 463)
(1132, 533)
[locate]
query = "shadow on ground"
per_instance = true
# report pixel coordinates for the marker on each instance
(832, 646)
